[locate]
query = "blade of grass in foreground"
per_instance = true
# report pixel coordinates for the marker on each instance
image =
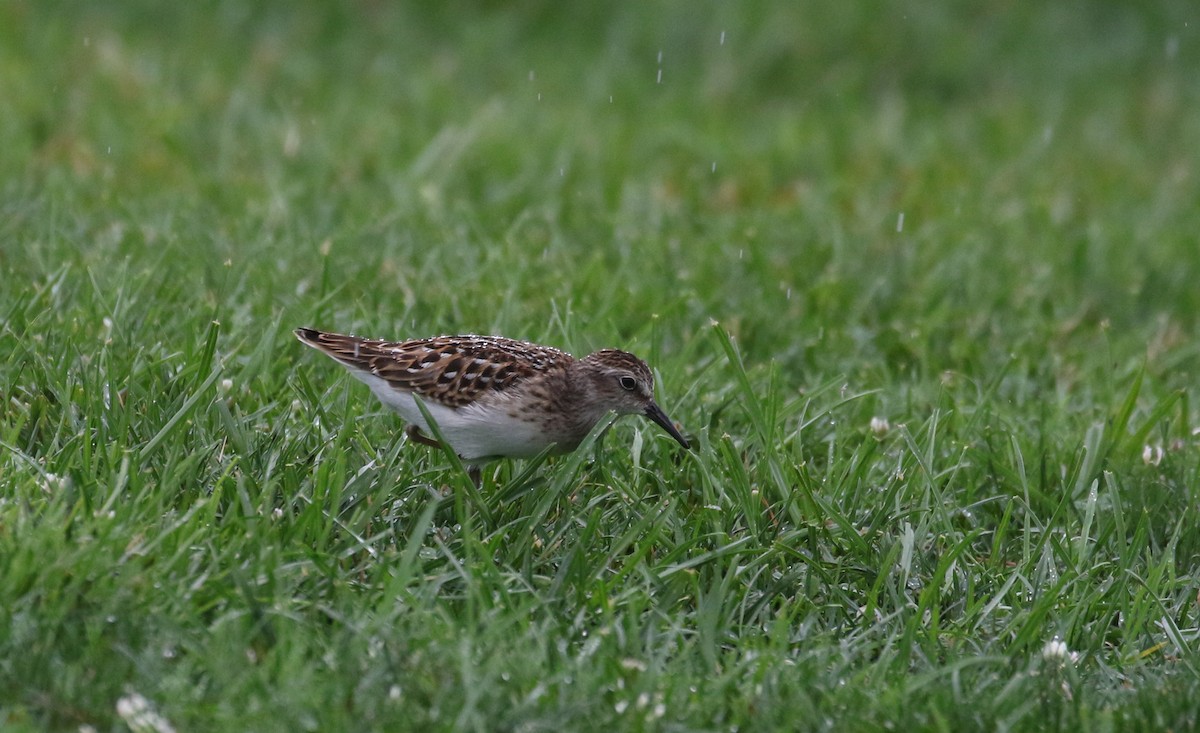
(184, 411)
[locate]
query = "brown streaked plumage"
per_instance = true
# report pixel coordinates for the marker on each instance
(449, 370)
(495, 397)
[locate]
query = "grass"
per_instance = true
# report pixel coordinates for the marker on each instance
(973, 221)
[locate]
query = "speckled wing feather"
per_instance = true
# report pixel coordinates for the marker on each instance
(450, 370)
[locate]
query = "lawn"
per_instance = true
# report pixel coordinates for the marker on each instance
(920, 281)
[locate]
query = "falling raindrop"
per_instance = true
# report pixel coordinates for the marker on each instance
(660, 57)
(659, 76)
(900, 222)
(531, 75)
(714, 166)
(722, 38)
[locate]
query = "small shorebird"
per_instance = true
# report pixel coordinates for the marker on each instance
(495, 397)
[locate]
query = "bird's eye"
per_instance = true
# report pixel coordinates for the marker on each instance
(628, 383)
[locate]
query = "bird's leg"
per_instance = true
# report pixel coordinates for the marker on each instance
(415, 435)
(770, 513)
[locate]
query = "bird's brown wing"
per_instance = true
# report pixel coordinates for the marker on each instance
(451, 370)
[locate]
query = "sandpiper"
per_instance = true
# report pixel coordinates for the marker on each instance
(495, 397)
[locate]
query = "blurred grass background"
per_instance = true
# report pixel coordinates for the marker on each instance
(974, 219)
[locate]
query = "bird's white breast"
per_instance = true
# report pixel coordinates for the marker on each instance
(474, 431)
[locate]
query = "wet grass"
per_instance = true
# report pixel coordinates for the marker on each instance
(920, 282)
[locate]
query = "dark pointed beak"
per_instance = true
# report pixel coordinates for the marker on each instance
(655, 413)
